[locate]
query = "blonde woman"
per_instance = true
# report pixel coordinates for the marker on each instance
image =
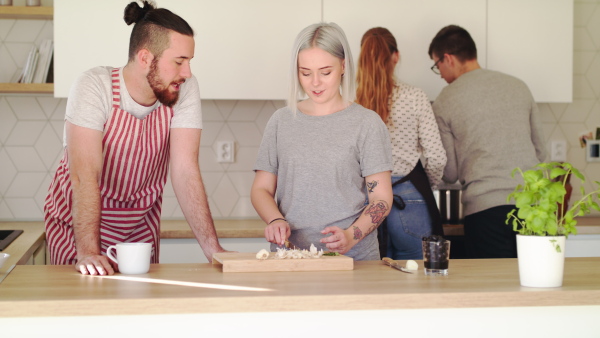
(414, 134)
(319, 157)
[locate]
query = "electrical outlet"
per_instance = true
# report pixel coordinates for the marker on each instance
(559, 151)
(225, 151)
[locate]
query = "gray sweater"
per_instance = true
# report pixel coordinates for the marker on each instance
(489, 126)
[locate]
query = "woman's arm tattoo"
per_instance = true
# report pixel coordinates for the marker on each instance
(358, 235)
(371, 186)
(376, 211)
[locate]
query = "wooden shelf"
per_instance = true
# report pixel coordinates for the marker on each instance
(27, 12)
(27, 88)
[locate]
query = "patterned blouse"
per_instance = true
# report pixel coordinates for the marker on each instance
(414, 132)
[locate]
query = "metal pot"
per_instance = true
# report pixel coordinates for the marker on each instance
(449, 203)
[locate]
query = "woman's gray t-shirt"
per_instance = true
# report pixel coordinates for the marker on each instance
(321, 163)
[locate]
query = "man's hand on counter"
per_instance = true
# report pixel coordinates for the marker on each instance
(95, 265)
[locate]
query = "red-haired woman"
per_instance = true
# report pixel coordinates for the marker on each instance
(414, 134)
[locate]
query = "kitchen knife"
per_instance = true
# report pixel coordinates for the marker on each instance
(390, 262)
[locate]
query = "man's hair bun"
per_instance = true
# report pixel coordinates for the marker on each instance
(134, 13)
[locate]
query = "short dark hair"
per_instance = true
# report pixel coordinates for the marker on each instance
(151, 27)
(453, 40)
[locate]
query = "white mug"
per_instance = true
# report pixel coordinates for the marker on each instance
(132, 258)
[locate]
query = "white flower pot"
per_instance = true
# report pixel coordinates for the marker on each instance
(540, 264)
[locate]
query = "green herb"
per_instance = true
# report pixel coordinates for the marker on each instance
(538, 201)
(331, 253)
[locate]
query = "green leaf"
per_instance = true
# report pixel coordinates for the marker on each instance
(551, 227)
(578, 174)
(555, 172)
(531, 176)
(524, 199)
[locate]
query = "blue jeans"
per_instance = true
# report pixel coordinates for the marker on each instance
(407, 227)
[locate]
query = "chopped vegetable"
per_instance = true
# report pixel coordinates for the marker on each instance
(331, 253)
(262, 254)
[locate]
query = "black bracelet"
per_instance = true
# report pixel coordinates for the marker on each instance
(277, 219)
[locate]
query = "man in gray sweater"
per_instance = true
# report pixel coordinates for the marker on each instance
(489, 126)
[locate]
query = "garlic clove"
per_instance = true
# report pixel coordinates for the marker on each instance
(262, 254)
(412, 265)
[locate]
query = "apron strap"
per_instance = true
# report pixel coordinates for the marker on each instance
(418, 177)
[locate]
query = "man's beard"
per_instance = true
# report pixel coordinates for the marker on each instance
(163, 94)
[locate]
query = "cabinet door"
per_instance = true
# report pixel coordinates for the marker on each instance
(414, 24)
(533, 40)
(242, 47)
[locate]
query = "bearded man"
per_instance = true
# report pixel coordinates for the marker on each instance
(124, 127)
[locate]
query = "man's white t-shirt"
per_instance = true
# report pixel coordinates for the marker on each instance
(90, 102)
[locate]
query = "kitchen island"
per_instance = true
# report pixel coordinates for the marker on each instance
(188, 293)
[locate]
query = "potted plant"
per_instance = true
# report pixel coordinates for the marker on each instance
(544, 221)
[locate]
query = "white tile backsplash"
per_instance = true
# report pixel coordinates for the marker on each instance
(9, 67)
(25, 185)
(5, 27)
(582, 39)
(8, 119)
(247, 134)
(225, 196)
(25, 159)
(26, 31)
(5, 212)
(24, 208)
(31, 127)
(593, 73)
(582, 88)
(593, 25)
(48, 147)
(8, 171)
(578, 110)
(27, 106)
(25, 133)
(247, 111)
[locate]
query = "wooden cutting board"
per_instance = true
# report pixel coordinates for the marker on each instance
(247, 262)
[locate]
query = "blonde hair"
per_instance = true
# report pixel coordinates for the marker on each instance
(375, 75)
(330, 38)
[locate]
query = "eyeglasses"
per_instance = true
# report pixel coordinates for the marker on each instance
(435, 68)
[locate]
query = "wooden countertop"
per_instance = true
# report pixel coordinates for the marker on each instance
(23, 247)
(31, 291)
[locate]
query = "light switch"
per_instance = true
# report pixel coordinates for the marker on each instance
(559, 151)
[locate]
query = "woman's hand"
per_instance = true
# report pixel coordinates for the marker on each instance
(278, 232)
(340, 240)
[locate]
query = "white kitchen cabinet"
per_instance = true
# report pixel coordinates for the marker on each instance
(187, 250)
(529, 39)
(583, 246)
(242, 47)
(413, 24)
(533, 40)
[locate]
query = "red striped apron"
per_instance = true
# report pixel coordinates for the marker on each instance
(134, 172)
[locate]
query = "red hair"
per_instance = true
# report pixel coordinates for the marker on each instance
(375, 75)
